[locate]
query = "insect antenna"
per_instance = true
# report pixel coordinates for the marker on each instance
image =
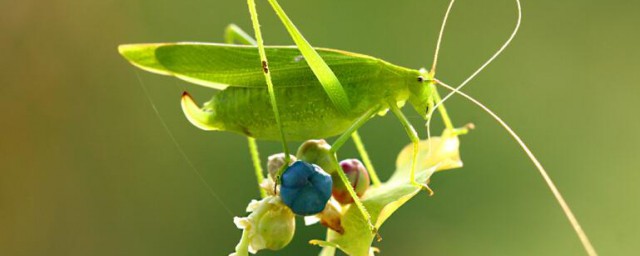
(563, 204)
(437, 51)
(432, 73)
(559, 198)
(493, 57)
(182, 153)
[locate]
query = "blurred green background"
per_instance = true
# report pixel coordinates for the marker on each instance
(87, 168)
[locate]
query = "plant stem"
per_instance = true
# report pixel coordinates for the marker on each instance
(255, 158)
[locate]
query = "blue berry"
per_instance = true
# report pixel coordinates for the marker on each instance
(305, 188)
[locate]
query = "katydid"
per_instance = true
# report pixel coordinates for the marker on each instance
(300, 92)
(306, 111)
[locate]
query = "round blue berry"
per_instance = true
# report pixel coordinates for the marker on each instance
(305, 188)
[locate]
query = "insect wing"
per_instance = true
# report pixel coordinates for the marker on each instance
(221, 65)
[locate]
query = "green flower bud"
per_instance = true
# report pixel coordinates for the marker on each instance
(276, 227)
(317, 152)
(271, 225)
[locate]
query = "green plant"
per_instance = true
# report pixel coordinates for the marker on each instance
(304, 93)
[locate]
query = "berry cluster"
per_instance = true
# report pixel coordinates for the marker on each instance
(308, 183)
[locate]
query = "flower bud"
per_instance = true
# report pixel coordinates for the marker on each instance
(358, 177)
(305, 188)
(317, 152)
(276, 162)
(276, 227)
(271, 225)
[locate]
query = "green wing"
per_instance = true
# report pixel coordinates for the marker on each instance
(221, 65)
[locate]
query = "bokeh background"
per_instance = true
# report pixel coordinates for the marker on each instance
(86, 167)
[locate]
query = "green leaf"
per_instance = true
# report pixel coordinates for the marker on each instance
(438, 153)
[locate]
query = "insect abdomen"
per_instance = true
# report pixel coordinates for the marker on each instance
(305, 114)
(306, 111)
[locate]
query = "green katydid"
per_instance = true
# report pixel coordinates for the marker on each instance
(297, 92)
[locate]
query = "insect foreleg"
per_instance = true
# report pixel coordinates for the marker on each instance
(413, 135)
(365, 158)
(441, 108)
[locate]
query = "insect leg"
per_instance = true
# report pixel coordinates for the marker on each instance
(365, 158)
(267, 75)
(413, 135)
(325, 75)
(343, 177)
(441, 108)
(234, 34)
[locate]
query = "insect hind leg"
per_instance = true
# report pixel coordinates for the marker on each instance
(365, 158)
(343, 177)
(234, 34)
(270, 88)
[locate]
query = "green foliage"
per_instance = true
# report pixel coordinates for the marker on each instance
(438, 153)
(374, 85)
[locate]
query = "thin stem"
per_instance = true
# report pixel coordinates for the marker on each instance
(231, 34)
(556, 193)
(328, 250)
(267, 75)
(242, 248)
(255, 158)
(365, 158)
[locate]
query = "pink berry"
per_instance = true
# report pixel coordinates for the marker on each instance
(358, 177)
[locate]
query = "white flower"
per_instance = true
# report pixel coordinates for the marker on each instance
(270, 225)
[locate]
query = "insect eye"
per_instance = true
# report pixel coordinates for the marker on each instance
(420, 79)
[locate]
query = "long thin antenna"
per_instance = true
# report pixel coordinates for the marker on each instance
(444, 23)
(179, 148)
(432, 72)
(556, 193)
(495, 55)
